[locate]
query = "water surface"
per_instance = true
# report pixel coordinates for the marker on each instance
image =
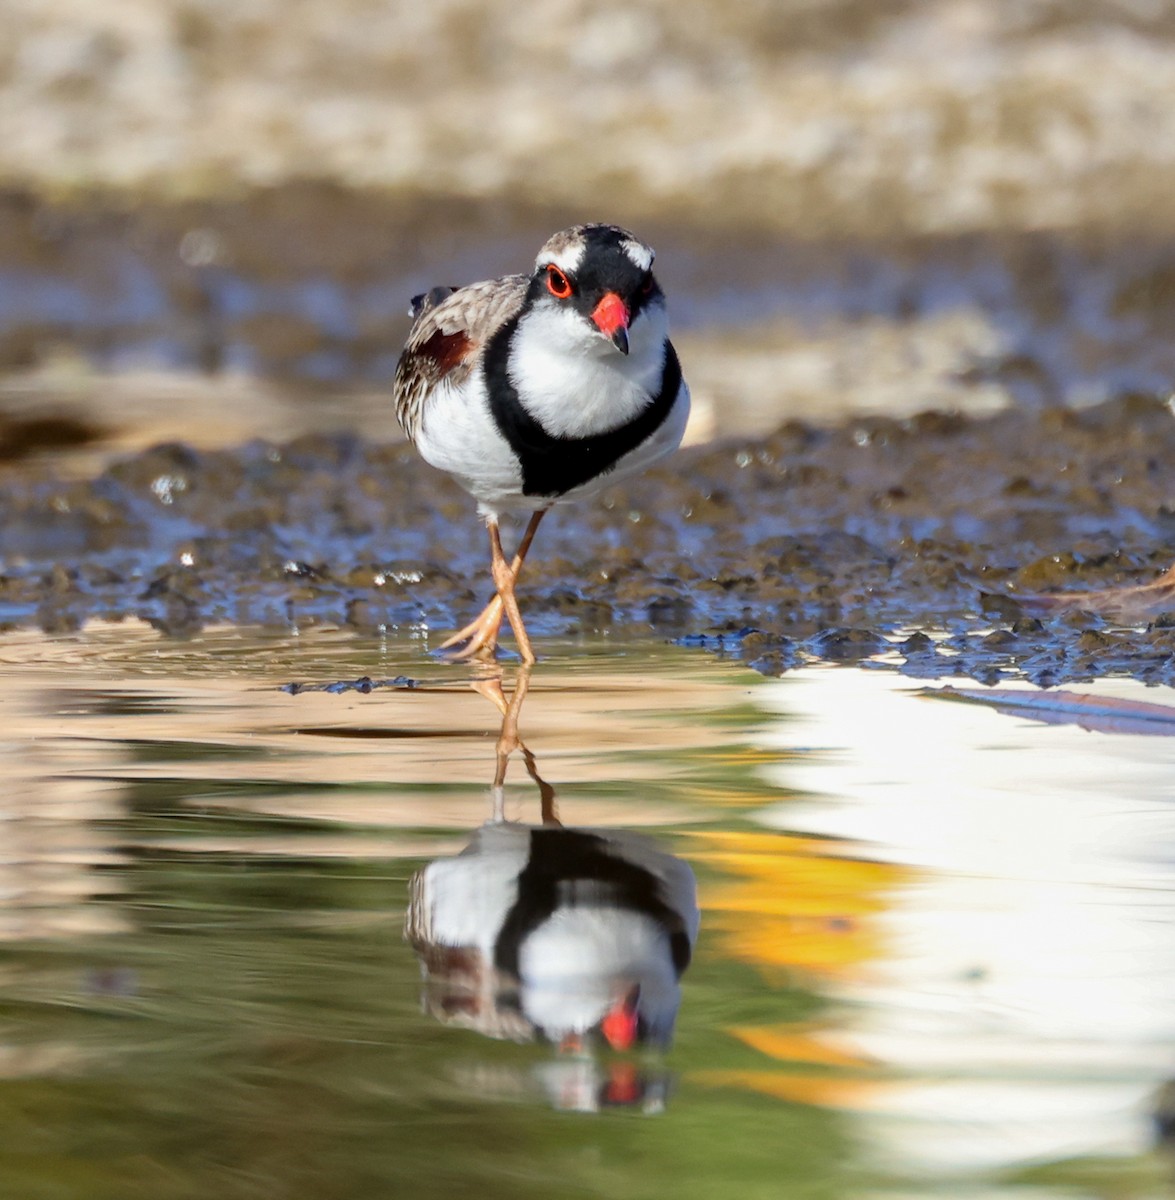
(935, 955)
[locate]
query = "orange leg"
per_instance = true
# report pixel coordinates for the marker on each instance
(510, 740)
(480, 637)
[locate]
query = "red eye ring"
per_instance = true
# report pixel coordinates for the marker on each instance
(557, 283)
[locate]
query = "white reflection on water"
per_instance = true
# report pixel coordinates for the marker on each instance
(1027, 995)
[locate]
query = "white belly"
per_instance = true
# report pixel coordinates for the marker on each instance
(459, 435)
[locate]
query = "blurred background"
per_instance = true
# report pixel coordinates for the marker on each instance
(212, 214)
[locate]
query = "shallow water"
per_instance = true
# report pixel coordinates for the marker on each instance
(935, 953)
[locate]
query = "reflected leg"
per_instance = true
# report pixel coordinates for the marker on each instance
(510, 740)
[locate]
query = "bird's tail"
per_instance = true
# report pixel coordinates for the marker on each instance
(430, 299)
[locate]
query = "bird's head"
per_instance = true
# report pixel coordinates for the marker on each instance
(598, 282)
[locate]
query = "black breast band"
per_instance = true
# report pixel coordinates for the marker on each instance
(552, 466)
(564, 862)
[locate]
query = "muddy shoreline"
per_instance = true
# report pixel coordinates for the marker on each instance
(877, 536)
(305, 287)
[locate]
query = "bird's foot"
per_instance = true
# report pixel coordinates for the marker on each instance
(478, 639)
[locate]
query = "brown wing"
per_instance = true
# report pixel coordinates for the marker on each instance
(447, 339)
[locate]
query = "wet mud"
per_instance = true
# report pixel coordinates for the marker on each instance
(912, 542)
(307, 285)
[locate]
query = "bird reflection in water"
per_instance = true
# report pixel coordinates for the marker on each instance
(573, 936)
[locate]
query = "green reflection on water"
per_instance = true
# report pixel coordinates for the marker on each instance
(221, 1003)
(260, 1035)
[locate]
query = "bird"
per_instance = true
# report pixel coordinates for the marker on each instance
(577, 936)
(539, 389)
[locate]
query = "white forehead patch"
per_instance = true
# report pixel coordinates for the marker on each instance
(640, 254)
(562, 252)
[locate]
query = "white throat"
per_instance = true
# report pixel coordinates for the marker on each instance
(573, 381)
(573, 967)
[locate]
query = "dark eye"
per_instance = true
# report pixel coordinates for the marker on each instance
(648, 285)
(558, 284)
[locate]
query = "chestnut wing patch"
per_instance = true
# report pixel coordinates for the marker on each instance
(422, 367)
(444, 351)
(450, 330)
